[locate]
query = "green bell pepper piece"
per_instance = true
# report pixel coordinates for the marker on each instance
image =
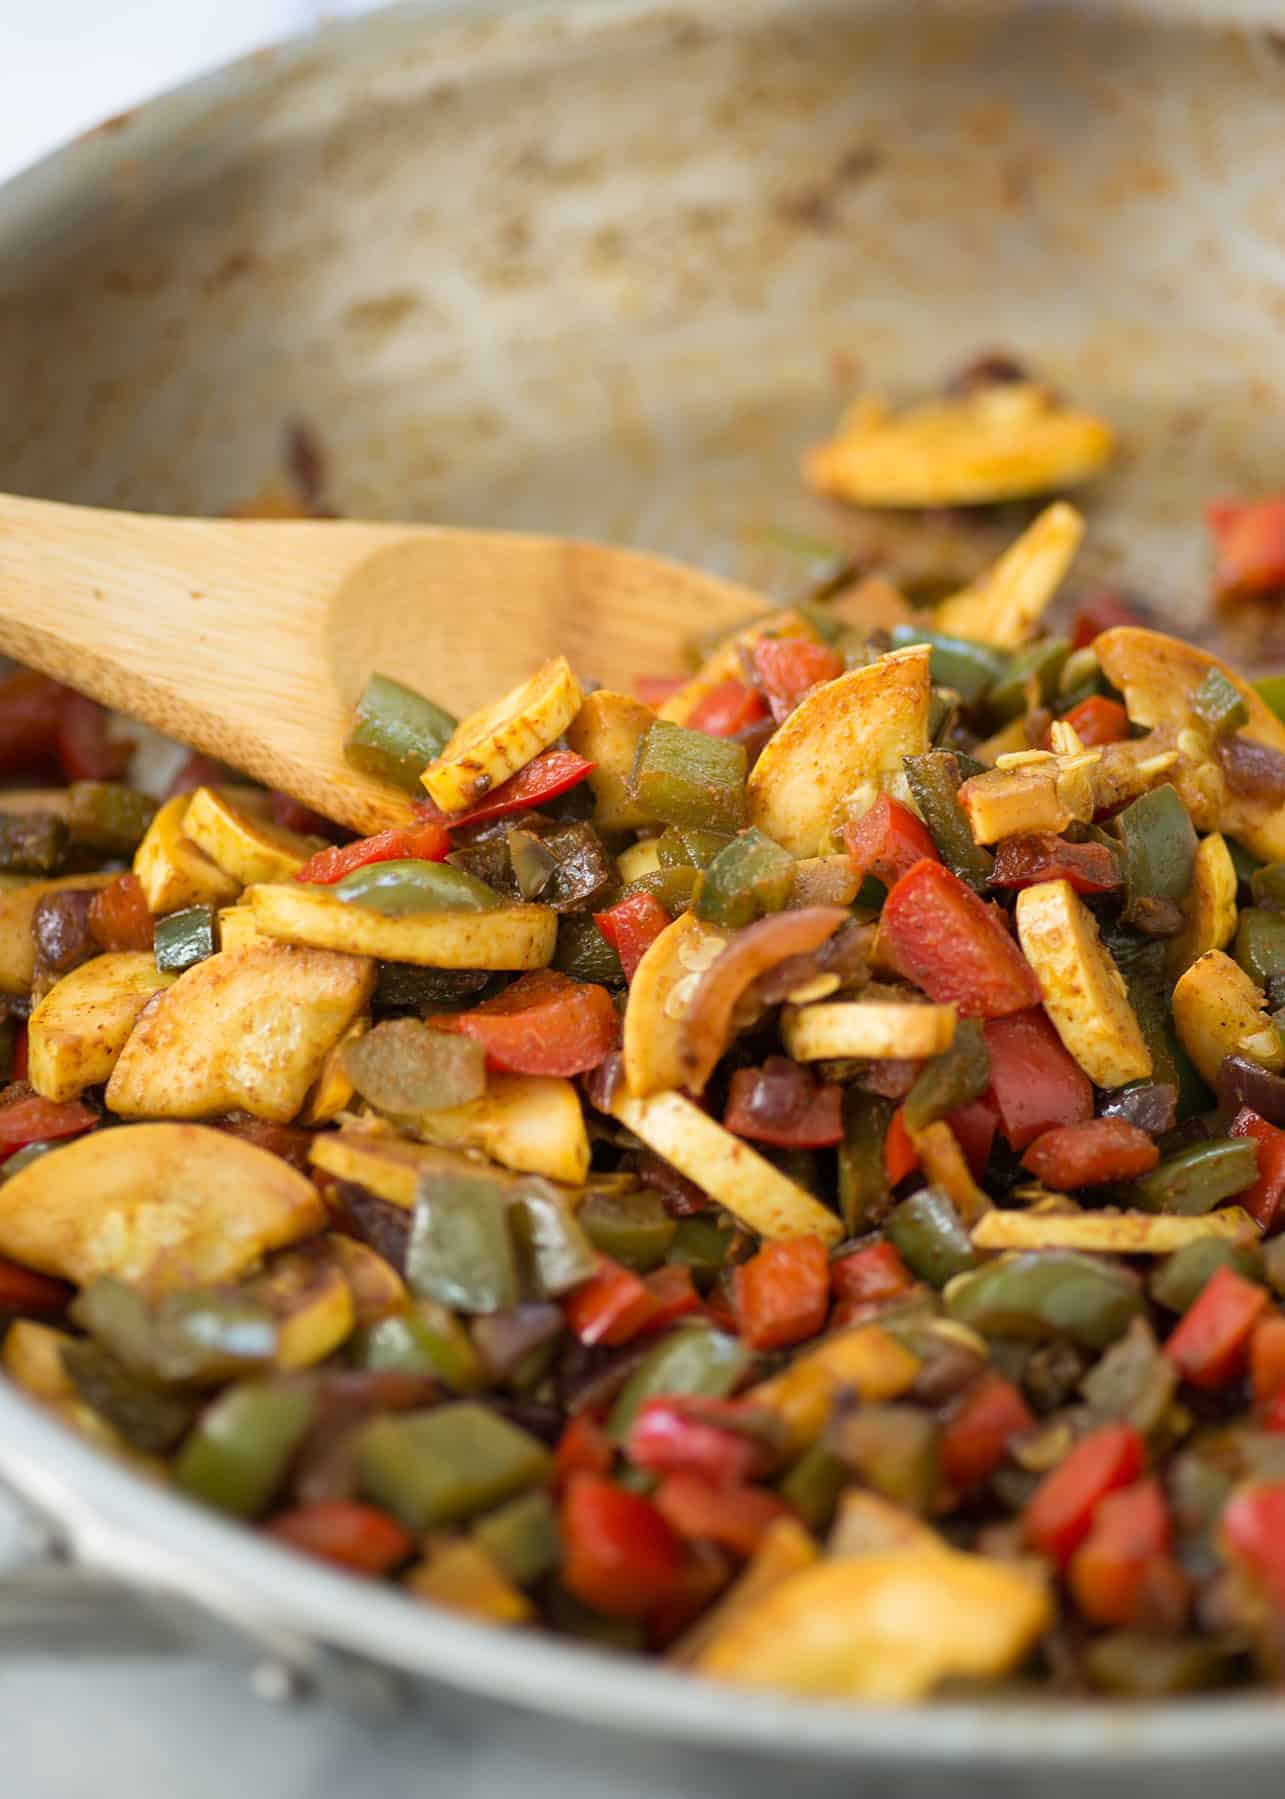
(397, 734)
(24, 1157)
(959, 1075)
(1244, 863)
(749, 878)
(461, 1251)
(33, 843)
(237, 1456)
(1197, 1179)
(150, 1418)
(1046, 1293)
(1159, 849)
(108, 816)
(584, 952)
(399, 889)
(672, 888)
(692, 1359)
(813, 1485)
(425, 1340)
(1041, 662)
(1141, 960)
(441, 1467)
(555, 1247)
(1180, 1278)
(632, 1228)
(1274, 1265)
(693, 848)
(522, 1537)
(1267, 886)
(182, 939)
(683, 777)
(1219, 704)
(1133, 1381)
(970, 668)
(927, 1233)
(701, 1244)
(1271, 690)
(864, 1193)
(404, 987)
(896, 1450)
(202, 1337)
(1137, 1665)
(1260, 943)
(935, 780)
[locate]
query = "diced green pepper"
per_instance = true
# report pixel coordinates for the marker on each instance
(1244, 864)
(150, 1418)
(584, 952)
(970, 668)
(1138, 1665)
(397, 734)
(1141, 960)
(863, 1179)
(441, 1467)
(1047, 1293)
(927, 1233)
(1274, 1265)
(403, 986)
(1180, 1278)
(403, 1067)
(692, 1359)
(108, 816)
(814, 1483)
(399, 889)
(426, 1340)
(461, 1249)
(1219, 704)
(31, 842)
(935, 780)
(1159, 849)
(202, 1336)
(556, 1250)
(701, 1244)
(959, 1075)
(896, 1449)
(943, 712)
(1133, 1381)
(533, 862)
(237, 1456)
(521, 1537)
(1271, 690)
(632, 1228)
(749, 878)
(693, 848)
(686, 777)
(182, 939)
(1197, 1179)
(1041, 662)
(1267, 885)
(671, 888)
(1260, 943)
(24, 1157)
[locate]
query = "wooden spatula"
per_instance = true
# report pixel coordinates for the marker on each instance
(252, 640)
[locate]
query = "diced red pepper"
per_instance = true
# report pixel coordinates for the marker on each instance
(31, 707)
(876, 1272)
(1272, 1417)
(1036, 1084)
(583, 1448)
(1249, 546)
(787, 667)
(1263, 1200)
(783, 1292)
(1210, 1343)
(900, 1157)
(706, 1437)
(1252, 1531)
(973, 1127)
(1059, 1514)
(29, 1119)
(654, 690)
(1130, 1531)
(1072, 1156)
(706, 1571)
(1267, 1358)
(424, 843)
(612, 1306)
(619, 1554)
(23, 1290)
(817, 1124)
(1098, 720)
(118, 916)
(342, 1531)
(887, 841)
(673, 1296)
(632, 927)
(86, 748)
(1039, 856)
(726, 709)
(735, 1517)
(990, 1415)
(952, 945)
(544, 1023)
(1099, 614)
(547, 775)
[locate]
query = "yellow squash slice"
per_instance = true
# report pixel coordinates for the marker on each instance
(1219, 1011)
(172, 871)
(659, 997)
(1209, 910)
(17, 910)
(867, 1359)
(873, 1028)
(247, 848)
(80, 1027)
(529, 1122)
(509, 937)
(490, 745)
(1004, 605)
(725, 664)
(1110, 1233)
(1084, 992)
(606, 731)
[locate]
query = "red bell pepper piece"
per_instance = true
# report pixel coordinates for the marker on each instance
(735, 1517)
(544, 1023)
(632, 927)
(1249, 546)
(619, 1554)
(31, 707)
(654, 690)
(1130, 1532)
(673, 1296)
(86, 748)
(705, 1437)
(23, 1290)
(706, 1571)
(973, 1127)
(887, 841)
(347, 1533)
(876, 1272)
(1072, 1156)
(293, 815)
(425, 843)
(1210, 1343)
(118, 916)
(817, 1124)
(1272, 1416)
(612, 1306)
(289, 1141)
(1252, 1531)
(1059, 1514)
(1263, 1200)
(787, 667)
(900, 1157)
(990, 1415)
(1039, 856)
(583, 1448)
(547, 775)
(1267, 1358)
(953, 946)
(1099, 614)
(726, 709)
(1035, 1083)
(29, 1119)
(1095, 721)
(783, 1292)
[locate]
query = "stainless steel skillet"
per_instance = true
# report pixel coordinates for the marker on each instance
(603, 271)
